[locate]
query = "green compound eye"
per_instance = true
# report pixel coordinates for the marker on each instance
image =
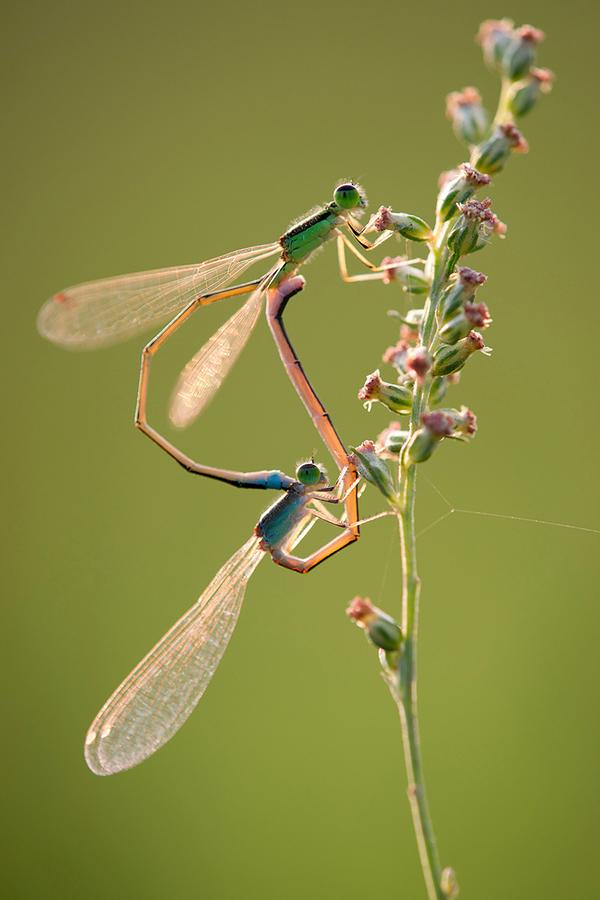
(348, 196)
(308, 473)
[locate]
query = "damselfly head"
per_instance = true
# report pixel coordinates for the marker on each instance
(349, 195)
(311, 474)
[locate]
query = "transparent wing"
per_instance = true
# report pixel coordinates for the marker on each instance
(205, 372)
(102, 312)
(157, 697)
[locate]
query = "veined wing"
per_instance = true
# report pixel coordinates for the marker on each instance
(207, 369)
(102, 312)
(157, 697)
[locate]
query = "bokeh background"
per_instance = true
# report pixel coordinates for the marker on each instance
(147, 134)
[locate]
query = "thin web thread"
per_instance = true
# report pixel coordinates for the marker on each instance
(494, 515)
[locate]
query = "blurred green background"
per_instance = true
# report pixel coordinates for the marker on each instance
(147, 134)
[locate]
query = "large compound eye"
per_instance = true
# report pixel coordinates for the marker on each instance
(348, 196)
(308, 473)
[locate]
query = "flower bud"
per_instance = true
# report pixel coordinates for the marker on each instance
(471, 315)
(411, 324)
(462, 289)
(396, 356)
(412, 279)
(449, 884)
(519, 55)
(493, 154)
(469, 118)
(381, 629)
(439, 386)
(452, 357)
(463, 422)
(418, 363)
(411, 227)
(373, 469)
(457, 187)
(409, 334)
(394, 396)
(525, 94)
(391, 440)
(495, 37)
(474, 226)
(436, 426)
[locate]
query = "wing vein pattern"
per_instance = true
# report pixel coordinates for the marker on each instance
(102, 312)
(157, 697)
(205, 372)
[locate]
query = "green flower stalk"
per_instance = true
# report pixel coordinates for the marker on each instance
(435, 346)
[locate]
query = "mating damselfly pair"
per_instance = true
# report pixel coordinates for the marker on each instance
(159, 694)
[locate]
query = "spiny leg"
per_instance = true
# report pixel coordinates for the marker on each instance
(298, 564)
(277, 300)
(264, 479)
(321, 512)
(358, 231)
(377, 273)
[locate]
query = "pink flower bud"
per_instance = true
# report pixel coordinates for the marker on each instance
(466, 422)
(396, 397)
(457, 187)
(514, 137)
(526, 93)
(373, 469)
(469, 118)
(452, 357)
(472, 229)
(382, 221)
(475, 341)
(439, 422)
(477, 314)
(396, 356)
(381, 629)
(470, 277)
(495, 36)
(360, 610)
(391, 264)
(391, 440)
(519, 55)
(530, 34)
(418, 363)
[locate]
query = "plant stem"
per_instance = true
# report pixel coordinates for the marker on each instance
(402, 680)
(405, 692)
(407, 695)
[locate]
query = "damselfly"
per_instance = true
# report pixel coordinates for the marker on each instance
(157, 697)
(102, 312)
